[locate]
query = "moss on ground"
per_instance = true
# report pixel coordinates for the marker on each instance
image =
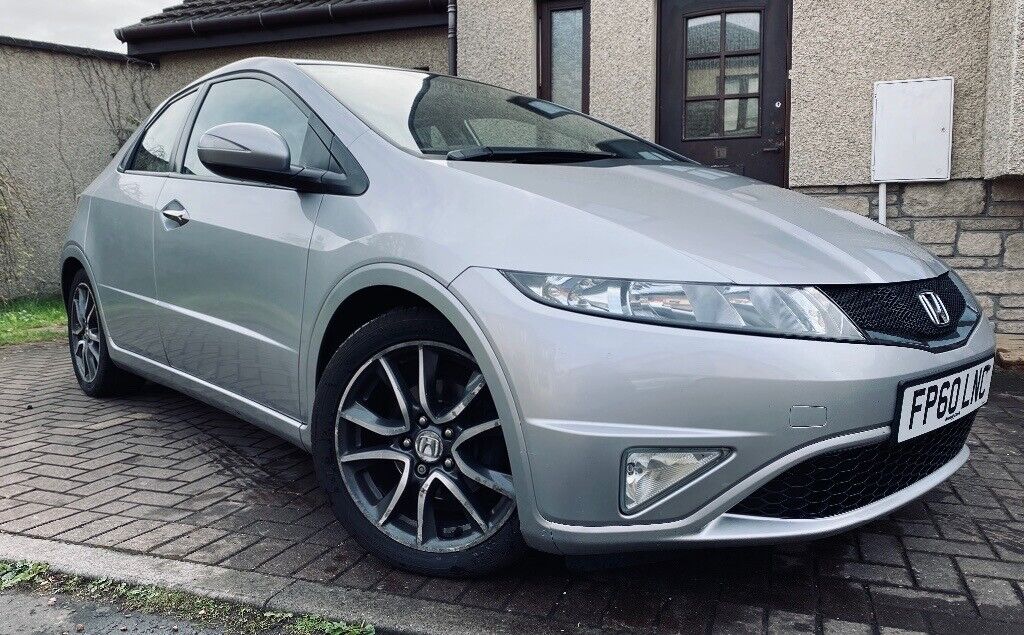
(236, 618)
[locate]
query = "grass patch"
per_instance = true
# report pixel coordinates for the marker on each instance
(234, 618)
(32, 320)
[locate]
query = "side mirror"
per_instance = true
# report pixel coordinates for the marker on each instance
(253, 152)
(246, 151)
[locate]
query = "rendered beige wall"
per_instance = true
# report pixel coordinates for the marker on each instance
(406, 48)
(498, 45)
(623, 63)
(61, 117)
(841, 48)
(1004, 115)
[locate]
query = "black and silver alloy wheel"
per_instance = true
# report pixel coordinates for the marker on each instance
(420, 449)
(97, 374)
(409, 447)
(84, 326)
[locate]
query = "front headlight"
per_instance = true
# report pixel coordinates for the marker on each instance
(768, 310)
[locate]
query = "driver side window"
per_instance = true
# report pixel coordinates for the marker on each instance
(249, 101)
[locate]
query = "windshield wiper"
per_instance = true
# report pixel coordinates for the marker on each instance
(526, 155)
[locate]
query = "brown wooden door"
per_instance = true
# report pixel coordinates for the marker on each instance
(723, 95)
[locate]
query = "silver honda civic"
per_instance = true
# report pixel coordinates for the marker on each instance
(498, 323)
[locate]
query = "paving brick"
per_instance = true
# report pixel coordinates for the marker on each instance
(633, 607)
(950, 547)
(735, 618)
(935, 571)
(842, 627)
(992, 568)
(221, 549)
(875, 573)
(188, 543)
(37, 518)
(161, 474)
(364, 574)
(921, 600)
(150, 540)
(881, 549)
(256, 554)
(996, 599)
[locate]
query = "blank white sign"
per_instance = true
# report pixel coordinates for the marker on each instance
(912, 130)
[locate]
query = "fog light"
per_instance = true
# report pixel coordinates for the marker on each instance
(648, 473)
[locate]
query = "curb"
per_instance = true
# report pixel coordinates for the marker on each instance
(388, 613)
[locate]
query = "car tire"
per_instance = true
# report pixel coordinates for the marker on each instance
(417, 531)
(97, 374)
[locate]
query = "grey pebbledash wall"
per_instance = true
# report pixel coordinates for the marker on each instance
(975, 226)
(63, 112)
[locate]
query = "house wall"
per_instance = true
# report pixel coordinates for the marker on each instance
(498, 45)
(406, 48)
(61, 117)
(841, 48)
(974, 221)
(1004, 113)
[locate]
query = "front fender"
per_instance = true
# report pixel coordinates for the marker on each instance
(435, 293)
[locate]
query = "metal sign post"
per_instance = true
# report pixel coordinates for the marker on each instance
(911, 133)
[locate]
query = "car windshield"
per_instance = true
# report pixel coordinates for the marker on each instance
(438, 115)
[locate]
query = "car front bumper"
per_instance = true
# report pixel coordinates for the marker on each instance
(588, 388)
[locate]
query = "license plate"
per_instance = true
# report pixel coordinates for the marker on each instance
(932, 404)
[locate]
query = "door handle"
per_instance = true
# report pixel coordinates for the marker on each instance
(179, 216)
(775, 148)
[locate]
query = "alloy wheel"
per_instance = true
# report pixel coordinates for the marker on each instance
(420, 448)
(85, 333)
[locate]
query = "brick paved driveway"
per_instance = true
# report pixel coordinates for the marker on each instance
(162, 474)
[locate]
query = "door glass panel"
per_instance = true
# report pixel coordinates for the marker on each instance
(567, 58)
(702, 77)
(742, 31)
(703, 35)
(154, 153)
(701, 119)
(247, 101)
(740, 116)
(742, 74)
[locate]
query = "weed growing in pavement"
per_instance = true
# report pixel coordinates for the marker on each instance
(310, 624)
(14, 573)
(181, 604)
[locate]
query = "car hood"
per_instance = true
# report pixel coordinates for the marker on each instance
(678, 221)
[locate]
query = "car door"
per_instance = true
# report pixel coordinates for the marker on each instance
(230, 256)
(120, 237)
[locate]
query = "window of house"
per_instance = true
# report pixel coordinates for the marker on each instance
(723, 75)
(563, 40)
(248, 101)
(154, 152)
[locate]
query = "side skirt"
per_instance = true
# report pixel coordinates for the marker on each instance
(272, 421)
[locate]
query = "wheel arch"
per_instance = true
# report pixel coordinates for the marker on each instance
(70, 266)
(375, 282)
(72, 260)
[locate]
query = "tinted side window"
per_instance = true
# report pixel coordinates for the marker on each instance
(154, 152)
(247, 101)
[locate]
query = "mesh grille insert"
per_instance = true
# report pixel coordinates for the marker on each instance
(844, 480)
(895, 311)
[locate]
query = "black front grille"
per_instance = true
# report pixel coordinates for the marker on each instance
(843, 480)
(887, 311)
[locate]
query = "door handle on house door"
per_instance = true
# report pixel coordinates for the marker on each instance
(778, 147)
(175, 212)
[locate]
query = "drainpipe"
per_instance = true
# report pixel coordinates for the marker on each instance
(453, 43)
